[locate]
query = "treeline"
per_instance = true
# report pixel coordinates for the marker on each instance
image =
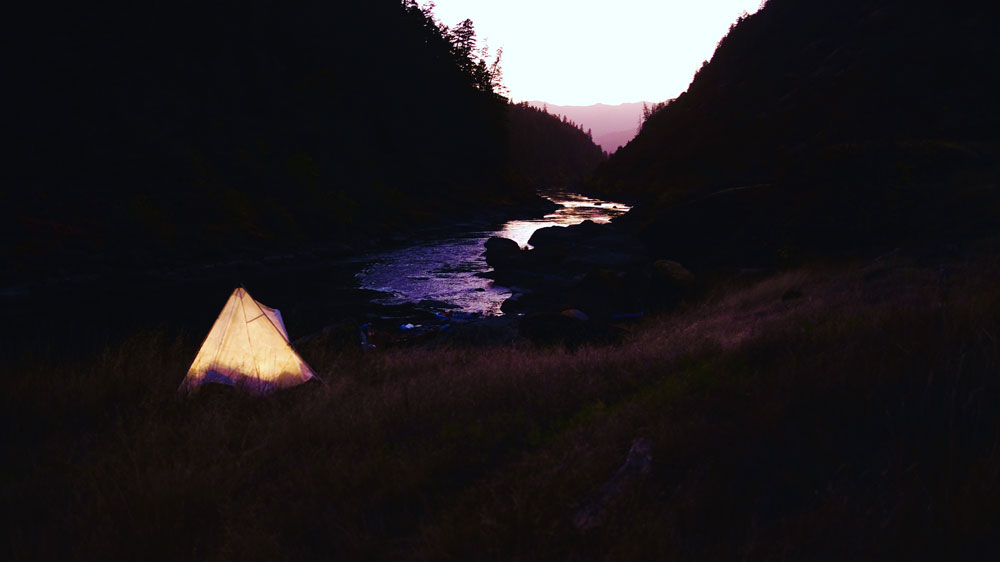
(547, 151)
(192, 132)
(845, 126)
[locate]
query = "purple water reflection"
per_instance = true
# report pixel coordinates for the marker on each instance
(575, 209)
(446, 269)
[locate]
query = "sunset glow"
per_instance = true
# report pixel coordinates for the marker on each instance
(582, 53)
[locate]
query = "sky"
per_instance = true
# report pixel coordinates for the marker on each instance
(583, 52)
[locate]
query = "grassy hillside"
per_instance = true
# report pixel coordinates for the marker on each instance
(836, 411)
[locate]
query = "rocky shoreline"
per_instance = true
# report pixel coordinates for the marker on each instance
(579, 284)
(572, 285)
(575, 285)
(313, 285)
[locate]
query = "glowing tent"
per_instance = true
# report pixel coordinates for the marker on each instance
(247, 346)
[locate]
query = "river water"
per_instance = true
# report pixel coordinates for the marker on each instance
(312, 293)
(450, 269)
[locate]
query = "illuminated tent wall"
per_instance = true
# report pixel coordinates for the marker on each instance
(248, 346)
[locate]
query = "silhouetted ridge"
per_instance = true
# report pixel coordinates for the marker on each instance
(188, 129)
(547, 151)
(860, 121)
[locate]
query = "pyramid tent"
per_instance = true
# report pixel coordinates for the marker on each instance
(247, 346)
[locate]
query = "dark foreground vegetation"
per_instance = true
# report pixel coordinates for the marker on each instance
(847, 411)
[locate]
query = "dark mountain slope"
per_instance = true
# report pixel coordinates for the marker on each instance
(845, 125)
(547, 151)
(188, 131)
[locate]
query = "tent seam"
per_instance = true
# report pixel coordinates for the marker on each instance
(253, 352)
(288, 343)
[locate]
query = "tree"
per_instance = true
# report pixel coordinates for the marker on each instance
(485, 76)
(496, 75)
(463, 41)
(650, 110)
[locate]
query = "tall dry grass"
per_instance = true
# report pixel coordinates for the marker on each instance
(826, 413)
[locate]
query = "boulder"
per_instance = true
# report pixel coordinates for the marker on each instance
(575, 313)
(666, 271)
(502, 252)
(552, 235)
(598, 268)
(567, 235)
(586, 246)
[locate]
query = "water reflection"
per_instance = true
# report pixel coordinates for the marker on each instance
(448, 269)
(575, 209)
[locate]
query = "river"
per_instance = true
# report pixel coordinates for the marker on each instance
(450, 269)
(312, 292)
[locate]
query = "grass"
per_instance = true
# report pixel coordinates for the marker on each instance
(830, 412)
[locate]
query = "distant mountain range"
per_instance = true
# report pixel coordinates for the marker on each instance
(611, 125)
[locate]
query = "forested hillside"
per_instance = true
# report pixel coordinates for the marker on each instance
(186, 131)
(548, 151)
(612, 125)
(823, 128)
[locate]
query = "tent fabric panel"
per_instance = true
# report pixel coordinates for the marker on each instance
(235, 357)
(251, 308)
(248, 345)
(276, 361)
(275, 316)
(210, 349)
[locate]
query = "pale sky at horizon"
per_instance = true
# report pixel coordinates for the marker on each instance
(584, 52)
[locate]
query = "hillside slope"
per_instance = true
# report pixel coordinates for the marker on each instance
(844, 126)
(546, 151)
(191, 132)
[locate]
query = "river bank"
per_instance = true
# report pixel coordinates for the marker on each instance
(316, 287)
(452, 267)
(847, 408)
